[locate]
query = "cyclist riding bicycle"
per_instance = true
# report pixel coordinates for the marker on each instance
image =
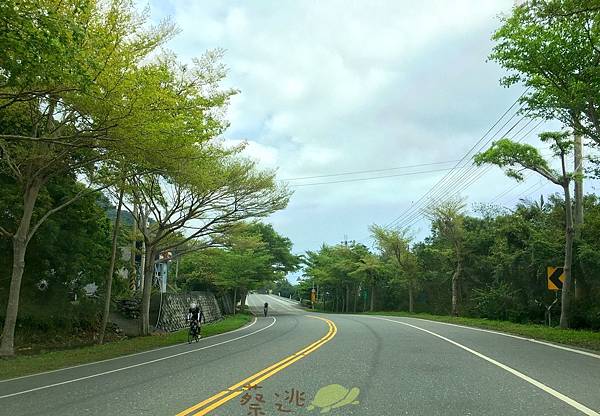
(266, 308)
(195, 316)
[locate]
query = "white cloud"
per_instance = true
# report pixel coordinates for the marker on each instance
(267, 155)
(339, 86)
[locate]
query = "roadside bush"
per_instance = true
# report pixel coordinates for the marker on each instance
(306, 302)
(586, 315)
(497, 301)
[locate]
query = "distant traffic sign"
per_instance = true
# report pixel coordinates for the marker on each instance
(556, 278)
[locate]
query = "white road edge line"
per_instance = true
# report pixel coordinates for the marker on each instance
(504, 334)
(549, 344)
(125, 356)
(137, 365)
(571, 402)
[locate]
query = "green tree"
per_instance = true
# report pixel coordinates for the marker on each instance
(394, 244)
(54, 125)
(284, 288)
(279, 246)
(335, 270)
(447, 219)
(67, 253)
(553, 47)
(508, 154)
(181, 99)
(209, 195)
(370, 269)
(244, 261)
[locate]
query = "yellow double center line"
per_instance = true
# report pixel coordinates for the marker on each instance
(224, 396)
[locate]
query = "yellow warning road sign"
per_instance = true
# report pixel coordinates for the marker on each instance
(556, 278)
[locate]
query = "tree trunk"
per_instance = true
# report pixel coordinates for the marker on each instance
(372, 297)
(234, 299)
(243, 295)
(565, 309)
(132, 268)
(355, 300)
(147, 291)
(456, 288)
(142, 227)
(578, 215)
(20, 242)
(336, 299)
(364, 308)
(111, 269)
(579, 283)
(347, 309)
(411, 308)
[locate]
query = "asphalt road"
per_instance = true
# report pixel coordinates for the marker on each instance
(358, 365)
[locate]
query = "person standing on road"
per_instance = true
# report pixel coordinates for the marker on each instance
(266, 309)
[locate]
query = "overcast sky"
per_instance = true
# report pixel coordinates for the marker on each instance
(331, 87)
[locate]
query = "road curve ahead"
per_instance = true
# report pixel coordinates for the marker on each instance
(294, 362)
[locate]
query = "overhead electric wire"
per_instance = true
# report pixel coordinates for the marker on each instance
(357, 172)
(441, 183)
(541, 183)
(509, 190)
(467, 175)
(477, 175)
(448, 177)
(461, 176)
(465, 186)
(371, 178)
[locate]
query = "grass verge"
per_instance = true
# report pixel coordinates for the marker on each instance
(578, 338)
(31, 364)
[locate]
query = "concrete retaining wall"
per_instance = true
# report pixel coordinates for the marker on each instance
(225, 303)
(171, 315)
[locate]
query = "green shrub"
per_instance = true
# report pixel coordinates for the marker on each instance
(497, 301)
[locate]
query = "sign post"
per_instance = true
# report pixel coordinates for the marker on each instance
(556, 278)
(549, 309)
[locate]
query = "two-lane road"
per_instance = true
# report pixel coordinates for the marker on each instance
(277, 365)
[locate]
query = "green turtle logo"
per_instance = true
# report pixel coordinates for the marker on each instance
(334, 396)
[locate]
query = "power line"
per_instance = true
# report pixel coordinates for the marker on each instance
(538, 186)
(415, 208)
(468, 175)
(482, 172)
(448, 177)
(372, 178)
(370, 171)
(477, 175)
(509, 190)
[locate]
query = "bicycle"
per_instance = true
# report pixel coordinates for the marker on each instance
(194, 332)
